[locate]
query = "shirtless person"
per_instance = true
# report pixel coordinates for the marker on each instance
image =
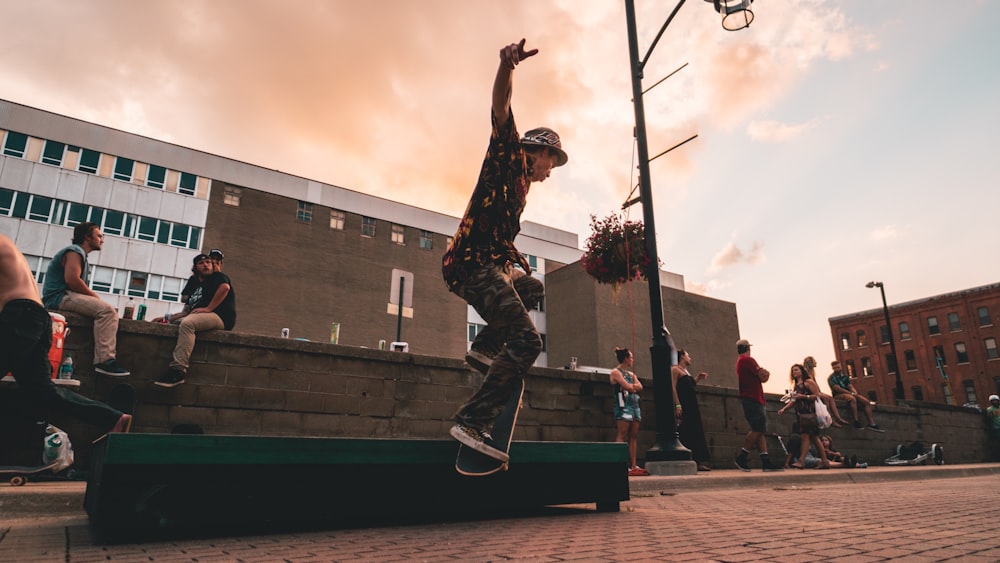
(25, 339)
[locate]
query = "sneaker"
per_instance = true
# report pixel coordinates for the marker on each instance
(173, 378)
(124, 424)
(858, 424)
(863, 465)
(479, 361)
(112, 368)
(741, 462)
(637, 472)
(477, 440)
(875, 428)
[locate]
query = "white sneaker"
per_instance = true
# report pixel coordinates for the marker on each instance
(476, 439)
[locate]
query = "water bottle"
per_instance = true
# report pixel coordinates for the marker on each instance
(128, 309)
(66, 369)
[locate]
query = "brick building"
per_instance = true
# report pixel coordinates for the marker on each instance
(302, 254)
(947, 347)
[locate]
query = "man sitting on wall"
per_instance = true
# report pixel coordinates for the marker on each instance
(213, 307)
(65, 289)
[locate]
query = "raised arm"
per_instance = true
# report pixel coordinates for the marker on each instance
(503, 85)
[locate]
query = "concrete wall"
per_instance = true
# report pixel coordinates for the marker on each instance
(247, 384)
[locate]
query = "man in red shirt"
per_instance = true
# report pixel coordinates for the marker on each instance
(751, 378)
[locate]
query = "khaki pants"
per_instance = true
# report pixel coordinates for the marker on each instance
(191, 324)
(105, 322)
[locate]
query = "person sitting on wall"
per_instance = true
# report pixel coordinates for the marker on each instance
(213, 307)
(65, 289)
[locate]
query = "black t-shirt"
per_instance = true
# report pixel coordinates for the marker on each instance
(227, 309)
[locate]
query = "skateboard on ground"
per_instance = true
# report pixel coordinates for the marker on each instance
(122, 398)
(476, 464)
(57, 455)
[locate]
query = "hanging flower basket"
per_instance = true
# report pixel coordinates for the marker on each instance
(616, 251)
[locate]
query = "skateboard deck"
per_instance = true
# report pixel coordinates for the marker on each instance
(473, 463)
(18, 475)
(57, 455)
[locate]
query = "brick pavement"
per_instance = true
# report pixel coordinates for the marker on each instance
(930, 519)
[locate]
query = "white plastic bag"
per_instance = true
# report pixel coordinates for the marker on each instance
(823, 418)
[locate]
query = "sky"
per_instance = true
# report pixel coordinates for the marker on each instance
(839, 141)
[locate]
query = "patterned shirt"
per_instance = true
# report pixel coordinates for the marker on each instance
(840, 379)
(493, 218)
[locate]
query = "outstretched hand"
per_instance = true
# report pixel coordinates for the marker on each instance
(514, 53)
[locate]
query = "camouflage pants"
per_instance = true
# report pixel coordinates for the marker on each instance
(502, 297)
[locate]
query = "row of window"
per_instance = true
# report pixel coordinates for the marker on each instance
(118, 223)
(54, 153)
(954, 324)
(119, 282)
(910, 358)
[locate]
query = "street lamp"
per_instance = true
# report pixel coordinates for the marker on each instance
(663, 354)
(892, 341)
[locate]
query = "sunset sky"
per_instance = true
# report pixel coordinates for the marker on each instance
(840, 141)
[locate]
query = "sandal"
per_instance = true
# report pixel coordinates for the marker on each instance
(824, 465)
(795, 466)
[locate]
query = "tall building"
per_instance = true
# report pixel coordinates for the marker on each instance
(303, 255)
(947, 347)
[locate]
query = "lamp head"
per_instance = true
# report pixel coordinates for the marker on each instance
(872, 284)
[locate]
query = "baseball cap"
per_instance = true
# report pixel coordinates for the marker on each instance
(743, 342)
(545, 137)
(216, 254)
(199, 258)
(994, 398)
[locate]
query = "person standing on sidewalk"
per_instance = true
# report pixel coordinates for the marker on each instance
(751, 379)
(479, 264)
(65, 289)
(25, 340)
(690, 428)
(626, 387)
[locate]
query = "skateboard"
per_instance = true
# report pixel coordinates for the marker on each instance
(57, 454)
(476, 464)
(120, 397)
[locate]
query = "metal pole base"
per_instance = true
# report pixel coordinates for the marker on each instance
(672, 467)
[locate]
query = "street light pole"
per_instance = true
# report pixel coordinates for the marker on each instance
(892, 340)
(663, 353)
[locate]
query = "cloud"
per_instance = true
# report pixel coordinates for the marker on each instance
(731, 255)
(775, 132)
(886, 232)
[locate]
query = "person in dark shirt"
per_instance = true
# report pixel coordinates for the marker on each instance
(213, 307)
(479, 264)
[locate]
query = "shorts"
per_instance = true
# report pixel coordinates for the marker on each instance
(755, 414)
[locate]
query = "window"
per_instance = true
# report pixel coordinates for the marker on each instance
(114, 223)
(398, 234)
(137, 284)
(890, 361)
(970, 391)
(53, 153)
(171, 289)
(873, 396)
(849, 369)
(337, 220)
(932, 326)
(180, 235)
(862, 339)
(232, 196)
(123, 169)
(474, 330)
(904, 331)
(77, 214)
(845, 341)
(102, 279)
(367, 227)
(991, 348)
(866, 367)
(188, 184)
(304, 212)
(40, 208)
(939, 356)
(7, 201)
(146, 229)
(90, 161)
(540, 306)
(984, 316)
(15, 144)
(946, 392)
(884, 334)
(156, 176)
(426, 240)
(911, 360)
(961, 352)
(953, 322)
(918, 393)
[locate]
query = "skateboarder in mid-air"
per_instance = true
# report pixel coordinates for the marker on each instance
(479, 265)
(25, 339)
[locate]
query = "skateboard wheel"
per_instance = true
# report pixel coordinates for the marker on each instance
(18, 480)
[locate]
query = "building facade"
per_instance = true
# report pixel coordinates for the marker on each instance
(323, 261)
(946, 347)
